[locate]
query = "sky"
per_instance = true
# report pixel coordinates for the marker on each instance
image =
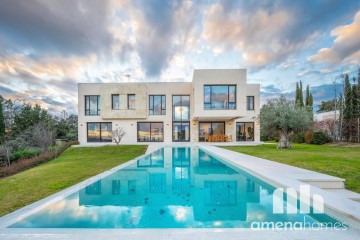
(48, 46)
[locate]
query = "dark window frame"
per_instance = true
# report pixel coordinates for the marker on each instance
(163, 105)
(87, 110)
(228, 102)
(236, 137)
(112, 101)
(172, 133)
(247, 103)
(211, 122)
(137, 131)
(87, 131)
(173, 107)
(128, 105)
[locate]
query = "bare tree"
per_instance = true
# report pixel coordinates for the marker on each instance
(117, 135)
(43, 136)
(5, 150)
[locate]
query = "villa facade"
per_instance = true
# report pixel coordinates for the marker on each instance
(217, 106)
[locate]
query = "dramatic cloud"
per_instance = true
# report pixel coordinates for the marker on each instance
(346, 46)
(48, 46)
(268, 32)
(67, 27)
(161, 29)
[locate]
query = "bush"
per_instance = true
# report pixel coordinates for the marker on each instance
(320, 138)
(28, 163)
(72, 136)
(26, 153)
(309, 136)
(297, 138)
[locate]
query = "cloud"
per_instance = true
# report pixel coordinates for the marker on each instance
(268, 32)
(66, 27)
(48, 82)
(161, 29)
(346, 46)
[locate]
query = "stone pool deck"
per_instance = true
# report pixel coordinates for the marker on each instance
(339, 203)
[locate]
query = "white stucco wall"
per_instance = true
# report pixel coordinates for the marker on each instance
(128, 119)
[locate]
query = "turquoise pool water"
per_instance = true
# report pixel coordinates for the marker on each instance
(171, 188)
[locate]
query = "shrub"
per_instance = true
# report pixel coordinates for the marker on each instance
(320, 138)
(309, 136)
(26, 153)
(297, 138)
(28, 163)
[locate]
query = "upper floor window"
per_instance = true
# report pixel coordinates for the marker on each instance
(219, 97)
(157, 105)
(131, 101)
(181, 108)
(92, 105)
(250, 102)
(115, 101)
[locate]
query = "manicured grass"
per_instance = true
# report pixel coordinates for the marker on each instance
(73, 166)
(343, 162)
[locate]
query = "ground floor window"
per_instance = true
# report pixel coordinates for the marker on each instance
(150, 132)
(207, 129)
(181, 131)
(99, 132)
(244, 131)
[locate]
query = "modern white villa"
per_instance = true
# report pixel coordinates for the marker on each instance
(218, 105)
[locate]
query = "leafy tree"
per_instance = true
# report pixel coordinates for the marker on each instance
(326, 106)
(284, 117)
(29, 116)
(66, 127)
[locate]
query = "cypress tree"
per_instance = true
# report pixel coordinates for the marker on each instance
(2, 119)
(311, 102)
(358, 93)
(307, 96)
(301, 98)
(348, 111)
(297, 94)
(355, 100)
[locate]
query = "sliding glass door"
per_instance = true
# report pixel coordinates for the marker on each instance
(150, 132)
(181, 131)
(210, 128)
(244, 131)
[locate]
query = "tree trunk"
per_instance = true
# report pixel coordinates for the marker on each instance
(8, 157)
(284, 141)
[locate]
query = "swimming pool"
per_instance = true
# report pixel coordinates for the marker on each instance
(182, 187)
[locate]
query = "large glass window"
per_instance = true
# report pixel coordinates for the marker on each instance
(181, 131)
(131, 101)
(150, 132)
(207, 129)
(250, 102)
(99, 132)
(94, 188)
(92, 105)
(157, 105)
(115, 101)
(244, 131)
(219, 97)
(181, 108)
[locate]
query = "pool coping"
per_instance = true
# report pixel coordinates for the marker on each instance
(191, 233)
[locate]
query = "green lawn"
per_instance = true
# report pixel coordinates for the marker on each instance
(343, 162)
(73, 166)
